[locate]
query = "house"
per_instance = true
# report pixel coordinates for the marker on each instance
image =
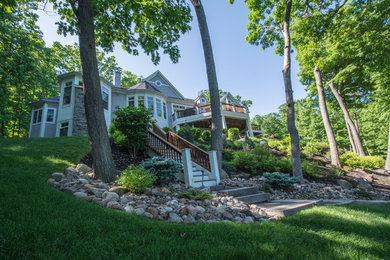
(65, 115)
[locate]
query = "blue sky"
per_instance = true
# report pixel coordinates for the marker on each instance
(242, 68)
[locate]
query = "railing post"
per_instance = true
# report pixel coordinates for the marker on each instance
(214, 166)
(187, 166)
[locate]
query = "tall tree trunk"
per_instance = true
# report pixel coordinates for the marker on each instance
(356, 123)
(348, 120)
(103, 162)
(295, 152)
(216, 117)
(334, 152)
(350, 138)
(387, 165)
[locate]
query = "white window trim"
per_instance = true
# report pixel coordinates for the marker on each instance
(54, 116)
(59, 127)
(108, 101)
(63, 93)
(161, 108)
(33, 112)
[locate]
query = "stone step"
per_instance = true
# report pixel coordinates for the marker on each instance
(207, 183)
(237, 192)
(255, 198)
(199, 177)
(284, 208)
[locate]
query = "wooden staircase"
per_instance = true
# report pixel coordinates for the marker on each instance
(170, 145)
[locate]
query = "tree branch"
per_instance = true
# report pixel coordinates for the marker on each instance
(75, 10)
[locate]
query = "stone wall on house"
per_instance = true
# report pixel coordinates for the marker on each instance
(79, 119)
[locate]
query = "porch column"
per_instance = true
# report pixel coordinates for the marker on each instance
(31, 122)
(214, 166)
(249, 126)
(187, 165)
(43, 120)
(224, 125)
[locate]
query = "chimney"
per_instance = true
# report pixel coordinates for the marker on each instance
(117, 79)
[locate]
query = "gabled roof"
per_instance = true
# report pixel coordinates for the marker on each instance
(200, 96)
(167, 81)
(230, 96)
(144, 85)
(45, 100)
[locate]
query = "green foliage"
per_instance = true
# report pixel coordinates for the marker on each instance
(310, 169)
(248, 143)
(136, 179)
(272, 124)
(366, 162)
(229, 144)
(119, 138)
(132, 122)
(206, 136)
(166, 170)
(186, 132)
(167, 129)
(283, 145)
(233, 134)
(228, 167)
(204, 147)
(197, 133)
(238, 145)
(279, 180)
(196, 195)
(312, 148)
(227, 154)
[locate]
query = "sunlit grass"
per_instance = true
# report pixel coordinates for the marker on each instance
(40, 222)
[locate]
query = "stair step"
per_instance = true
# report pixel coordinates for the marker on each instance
(255, 198)
(205, 180)
(236, 192)
(200, 177)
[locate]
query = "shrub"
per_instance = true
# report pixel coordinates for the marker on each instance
(229, 144)
(197, 133)
(283, 145)
(186, 132)
(233, 134)
(246, 160)
(277, 179)
(195, 195)
(166, 170)
(167, 129)
(205, 147)
(248, 144)
(206, 136)
(119, 138)
(133, 123)
(227, 154)
(315, 148)
(228, 167)
(136, 178)
(310, 169)
(367, 162)
(238, 145)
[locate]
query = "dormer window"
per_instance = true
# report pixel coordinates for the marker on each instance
(202, 100)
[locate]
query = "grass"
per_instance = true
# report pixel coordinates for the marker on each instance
(40, 222)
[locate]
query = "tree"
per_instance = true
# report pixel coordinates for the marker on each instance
(26, 70)
(216, 116)
(150, 25)
(130, 79)
(269, 22)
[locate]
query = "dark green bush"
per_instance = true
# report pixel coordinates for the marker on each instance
(366, 162)
(186, 132)
(204, 147)
(166, 170)
(315, 148)
(227, 154)
(279, 180)
(133, 123)
(229, 144)
(195, 195)
(136, 178)
(245, 160)
(310, 169)
(206, 136)
(248, 144)
(233, 134)
(228, 167)
(119, 138)
(167, 129)
(238, 145)
(197, 133)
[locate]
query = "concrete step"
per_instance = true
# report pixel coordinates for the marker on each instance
(255, 198)
(284, 208)
(207, 183)
(237, 192)
(199, 177)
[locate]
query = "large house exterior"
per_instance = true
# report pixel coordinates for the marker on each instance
(65, 115)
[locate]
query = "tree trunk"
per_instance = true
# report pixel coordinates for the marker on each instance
(216, 117)
(334, 152)
(348, 120)
(295, 152)
(350, 138)
(103, 163)
(387, 165)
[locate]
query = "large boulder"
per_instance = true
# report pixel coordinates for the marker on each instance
(70, 170)
(118, 190)
(110, 196)
(344, 184)
(83, 168)
(364, 185)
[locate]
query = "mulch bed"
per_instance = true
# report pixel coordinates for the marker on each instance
(121, 157)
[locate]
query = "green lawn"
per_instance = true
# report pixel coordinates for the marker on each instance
(38, 221)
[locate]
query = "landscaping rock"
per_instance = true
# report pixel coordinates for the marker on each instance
(96, 191)
(139, 211)
(149, 215)
(80, 194)
(110, 196)
(364, 185)
(173, 217)
(57, 176)
(227, 215)
(83, 168)
(153, 211)
(113, 205)
(83, 181)
(344, 184)
(70, 170)
(248, 219)
(118, 190)
(129, 209)
(189, 220)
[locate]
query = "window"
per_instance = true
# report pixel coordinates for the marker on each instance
(67, 93)
(202, 100)
(141, 101)
(158, 107)
(131, 101)
(151, 105)
(105, 99)
(37, 118)
(165, 110)
(64, 129)
(50, 115)
(158, 83)
(177, 107)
